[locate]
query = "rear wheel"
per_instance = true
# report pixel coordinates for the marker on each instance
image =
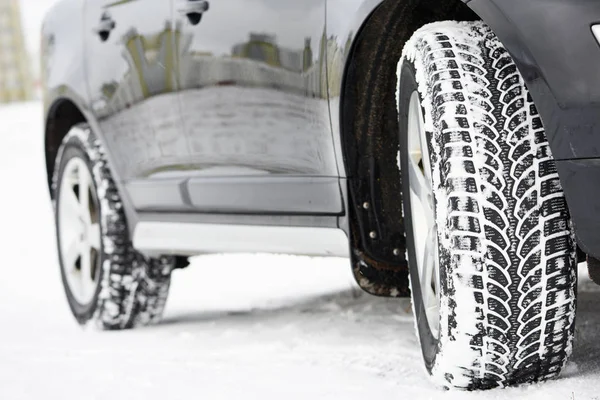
(491, 249)
(106, 281)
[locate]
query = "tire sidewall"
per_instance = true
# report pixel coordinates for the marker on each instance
(74, 148)
(429, 343)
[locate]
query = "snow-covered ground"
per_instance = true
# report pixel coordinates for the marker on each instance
(238, 326)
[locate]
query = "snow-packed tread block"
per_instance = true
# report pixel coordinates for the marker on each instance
(508, 254)
(134, 288)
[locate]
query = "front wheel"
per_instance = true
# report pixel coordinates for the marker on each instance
(491, 249)
(106, 281)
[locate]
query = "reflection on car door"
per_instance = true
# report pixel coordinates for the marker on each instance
(253, 95)
(130, 68)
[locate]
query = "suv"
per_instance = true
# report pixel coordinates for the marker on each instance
(378, 130)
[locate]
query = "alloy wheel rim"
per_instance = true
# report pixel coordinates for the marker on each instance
(424, 225)
(79, 231)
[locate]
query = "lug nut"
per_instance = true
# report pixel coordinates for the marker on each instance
(396, 252)
(366, 205)
(373, 235)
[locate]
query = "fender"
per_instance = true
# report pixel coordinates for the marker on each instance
(564, 96)
(552, 43)
(553, 46)
(65, 83)
(362, 68)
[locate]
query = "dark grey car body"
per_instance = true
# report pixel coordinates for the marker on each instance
(281, 113)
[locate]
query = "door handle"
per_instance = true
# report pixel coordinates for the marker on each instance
(194, 9)
(107, 24)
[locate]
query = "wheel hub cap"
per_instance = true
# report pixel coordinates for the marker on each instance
(423, 214)
(79, 231)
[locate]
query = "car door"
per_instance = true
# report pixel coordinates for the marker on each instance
(253, 95)
(132, 86)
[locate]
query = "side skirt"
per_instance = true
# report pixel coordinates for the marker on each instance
(155, 237)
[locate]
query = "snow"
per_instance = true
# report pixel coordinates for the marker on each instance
(458, 357)
(236, 326)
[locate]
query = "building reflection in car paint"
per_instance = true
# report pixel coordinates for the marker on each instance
(150, 72)
(254, 94)
(253, 107)
(128, 69)
(259, 62)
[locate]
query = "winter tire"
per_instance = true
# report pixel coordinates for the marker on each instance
(491, 248)
(106, 281)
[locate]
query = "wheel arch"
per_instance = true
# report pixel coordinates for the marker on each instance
(62, 115)
(560, 102)
(369, 141)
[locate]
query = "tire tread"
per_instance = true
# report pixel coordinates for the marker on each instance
(518, 267)
(134, 288)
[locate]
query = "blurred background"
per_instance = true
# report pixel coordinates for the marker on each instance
(20, 25)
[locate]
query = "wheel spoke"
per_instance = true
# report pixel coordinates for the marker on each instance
(79, 236)
(87, 281)
(71, 202)
(429, 265)
(94, 236)
(423, 214)
(422, 190)
(72, 254)
(417, 180)
(84, 194)
(433, 311)
(423, 144)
